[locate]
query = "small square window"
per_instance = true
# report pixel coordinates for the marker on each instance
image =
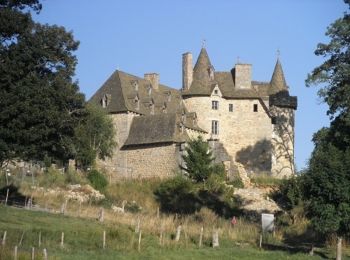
(273, 120)
(215, 105)
(215, 91)
(230, 107)
(255, 108)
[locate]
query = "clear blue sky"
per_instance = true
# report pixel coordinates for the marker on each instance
(150, 36)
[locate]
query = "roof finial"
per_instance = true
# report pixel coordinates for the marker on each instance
(204, 42)
(278, 53)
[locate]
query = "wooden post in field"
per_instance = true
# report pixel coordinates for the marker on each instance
(4, 238)
(15, 253)
(201, 237)
(339, 244)
(101, 215)
(311, 252)
(44, 254)
(139, 246)
(20, 241)
(39, 242)
(178, 233)
(62, 208)
(161, 234)
(33, 253)
(260, 241)
(62, 239)
(104, 239)
(137, 228)
(216, 238)
(79, 210)
(7, 196)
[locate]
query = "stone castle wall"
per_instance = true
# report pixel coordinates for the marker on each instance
(245, 134)
(152, 161)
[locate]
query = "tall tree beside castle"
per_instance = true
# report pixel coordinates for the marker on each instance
(327, 180)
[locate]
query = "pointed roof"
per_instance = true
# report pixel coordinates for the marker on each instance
(203, 64)
(278, 82)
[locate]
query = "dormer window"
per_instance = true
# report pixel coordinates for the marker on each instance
(216, 91)
(211, 73)
(151, 107)
(137, 103)
(183, 117)
(164, 109)
(105, 100)
(135, 85)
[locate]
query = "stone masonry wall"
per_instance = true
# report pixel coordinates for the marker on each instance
(283, 142)
(117, 167)
(152, 161)
(245, 134)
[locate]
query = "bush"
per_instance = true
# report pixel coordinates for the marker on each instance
(97, 180)
(177, 195)
(52, 177)
(74, 177)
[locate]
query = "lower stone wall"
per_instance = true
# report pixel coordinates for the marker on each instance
(151, 161)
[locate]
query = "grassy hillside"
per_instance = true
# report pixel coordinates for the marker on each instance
(83, 240)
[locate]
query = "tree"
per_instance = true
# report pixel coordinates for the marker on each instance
(95, 136)
(328, 177)
(198, 159)
(40, 102)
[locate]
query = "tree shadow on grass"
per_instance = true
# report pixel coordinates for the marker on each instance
(15, 198)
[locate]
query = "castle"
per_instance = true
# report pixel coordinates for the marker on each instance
(247, 123)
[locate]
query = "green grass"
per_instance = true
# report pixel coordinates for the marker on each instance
(83, 240)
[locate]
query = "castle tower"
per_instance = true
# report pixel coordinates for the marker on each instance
(282, 107)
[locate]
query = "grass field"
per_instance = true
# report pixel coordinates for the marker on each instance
(83, 240)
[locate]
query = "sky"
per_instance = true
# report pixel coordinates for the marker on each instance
(150, 36)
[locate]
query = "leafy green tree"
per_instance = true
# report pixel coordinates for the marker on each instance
(328, 177)
(198, 159)
(95, 136)
(40, 102)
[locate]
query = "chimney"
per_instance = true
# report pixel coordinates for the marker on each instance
(153, 78)
(187, 70)
(243, 76)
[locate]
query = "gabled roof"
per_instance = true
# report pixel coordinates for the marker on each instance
(121, 88)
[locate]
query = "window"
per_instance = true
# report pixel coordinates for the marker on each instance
(230, 107)
(215, 127)
(255, 108)
(216, 91)
(215, 105)
(273, 120)
(135, 84)
(137, 103)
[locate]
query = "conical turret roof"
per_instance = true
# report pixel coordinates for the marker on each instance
(278, 82)
(202, 68)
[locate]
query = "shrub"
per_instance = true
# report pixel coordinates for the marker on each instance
(74, 177)
(97, 180)
(52, 177)
(177, 195)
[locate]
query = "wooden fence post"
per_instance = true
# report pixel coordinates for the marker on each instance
(45, 254)
(260, 241)
(101, 215)
(33, 253)
(7, 196)
(137, 228)
(15, 253)
(201, 237)
(178, 233)
(215, 238)
(139, 247)
(104, 239)
(39, 242)
(62, 239)
(4, 238)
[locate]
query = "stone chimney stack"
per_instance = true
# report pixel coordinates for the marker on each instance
(243, 76)
(187, 70)
(153, 78)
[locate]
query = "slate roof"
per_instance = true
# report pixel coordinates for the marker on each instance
(155, 129)
(123, 92)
